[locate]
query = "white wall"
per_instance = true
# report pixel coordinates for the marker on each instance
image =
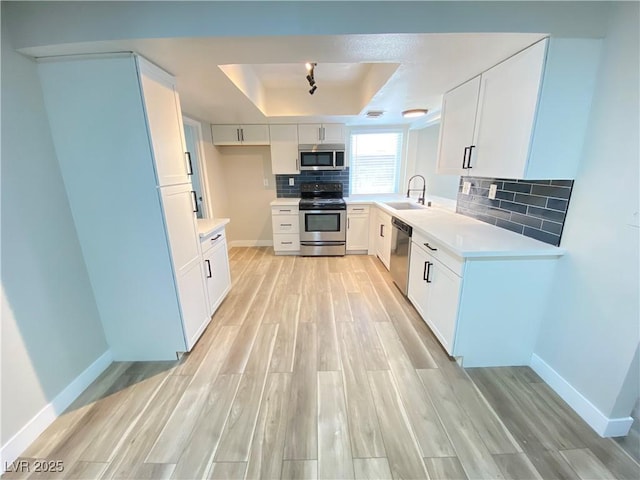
(215, 175)
(426, 156)
(248, 200)
(590, 334)
(50, 330)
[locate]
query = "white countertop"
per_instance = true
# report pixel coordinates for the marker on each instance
(284, 202)
(463, 236)
(207, 226)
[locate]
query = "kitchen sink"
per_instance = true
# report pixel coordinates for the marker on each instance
(404, 205)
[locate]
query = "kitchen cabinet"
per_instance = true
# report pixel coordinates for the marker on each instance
(456, 134)
(240, 135)
(434, 290)
(357, 228)
(524, 118)
(383, 237)
(137, 230)
(284, 149)
(486, 311)
(285, 221)
(164, 119)
(216, 268)
(312, 134)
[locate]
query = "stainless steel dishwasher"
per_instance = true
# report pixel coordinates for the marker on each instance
(400, 251)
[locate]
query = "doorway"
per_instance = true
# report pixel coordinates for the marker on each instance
(193, 139)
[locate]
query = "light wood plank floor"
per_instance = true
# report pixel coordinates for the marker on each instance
(320, 368)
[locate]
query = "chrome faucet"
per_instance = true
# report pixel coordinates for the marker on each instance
(424, 187)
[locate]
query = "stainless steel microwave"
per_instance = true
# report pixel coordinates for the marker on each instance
(321, 157)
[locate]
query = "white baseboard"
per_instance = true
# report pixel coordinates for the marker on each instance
(251, 243)
(603, 425)
(45, 417)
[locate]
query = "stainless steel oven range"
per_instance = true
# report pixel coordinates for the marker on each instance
(323, 219)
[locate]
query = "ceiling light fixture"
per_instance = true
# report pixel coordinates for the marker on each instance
(414, 112)
(310, 78)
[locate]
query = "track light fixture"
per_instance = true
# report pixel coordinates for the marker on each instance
(310, 78)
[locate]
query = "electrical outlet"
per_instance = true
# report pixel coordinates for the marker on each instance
(466, 188)
(266, 182)
(492, 191)
(291, 181)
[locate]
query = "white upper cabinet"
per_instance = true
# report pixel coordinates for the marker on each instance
(164, 119)
(458, 119)
(506, 113)
(240, 134)
(314, 133)
(284, 149)
(528, 114)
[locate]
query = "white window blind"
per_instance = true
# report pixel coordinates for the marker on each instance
(375, 162)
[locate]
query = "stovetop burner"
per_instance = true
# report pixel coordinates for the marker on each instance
(321, 196)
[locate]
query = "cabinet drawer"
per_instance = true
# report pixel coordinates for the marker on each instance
(432, 247)
(289, 242)
(358, 209)
(285, 210)
(213, 240)
(285, 224)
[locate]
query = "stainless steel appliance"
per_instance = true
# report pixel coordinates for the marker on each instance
(400, 252)
(323, 218)
(321, 157)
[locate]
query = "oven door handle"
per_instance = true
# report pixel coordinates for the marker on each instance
(302, 212)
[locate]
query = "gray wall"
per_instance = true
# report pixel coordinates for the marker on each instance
(50, 330)
(591, 333)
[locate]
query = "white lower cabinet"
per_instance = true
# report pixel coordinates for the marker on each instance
(383, 237)
(285, 222)
(192, 303)
(357, 228)
(216, 269)
(484, 310)
(435, 291)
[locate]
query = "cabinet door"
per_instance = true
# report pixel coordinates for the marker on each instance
(193, 303)
(217, 276)
(456, 132)
(284, 149)
(225, 134)
(164, 119)
(220, 275)
(506, 114)
(180, 224)
(254, 134)
(332, 133)
(417, 287)
(357, 232)
(309, 134)
(383, 242)
(441, 309)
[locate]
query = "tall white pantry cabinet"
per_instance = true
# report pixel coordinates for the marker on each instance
(117, 129)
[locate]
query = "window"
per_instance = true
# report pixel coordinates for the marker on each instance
(375, 161)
